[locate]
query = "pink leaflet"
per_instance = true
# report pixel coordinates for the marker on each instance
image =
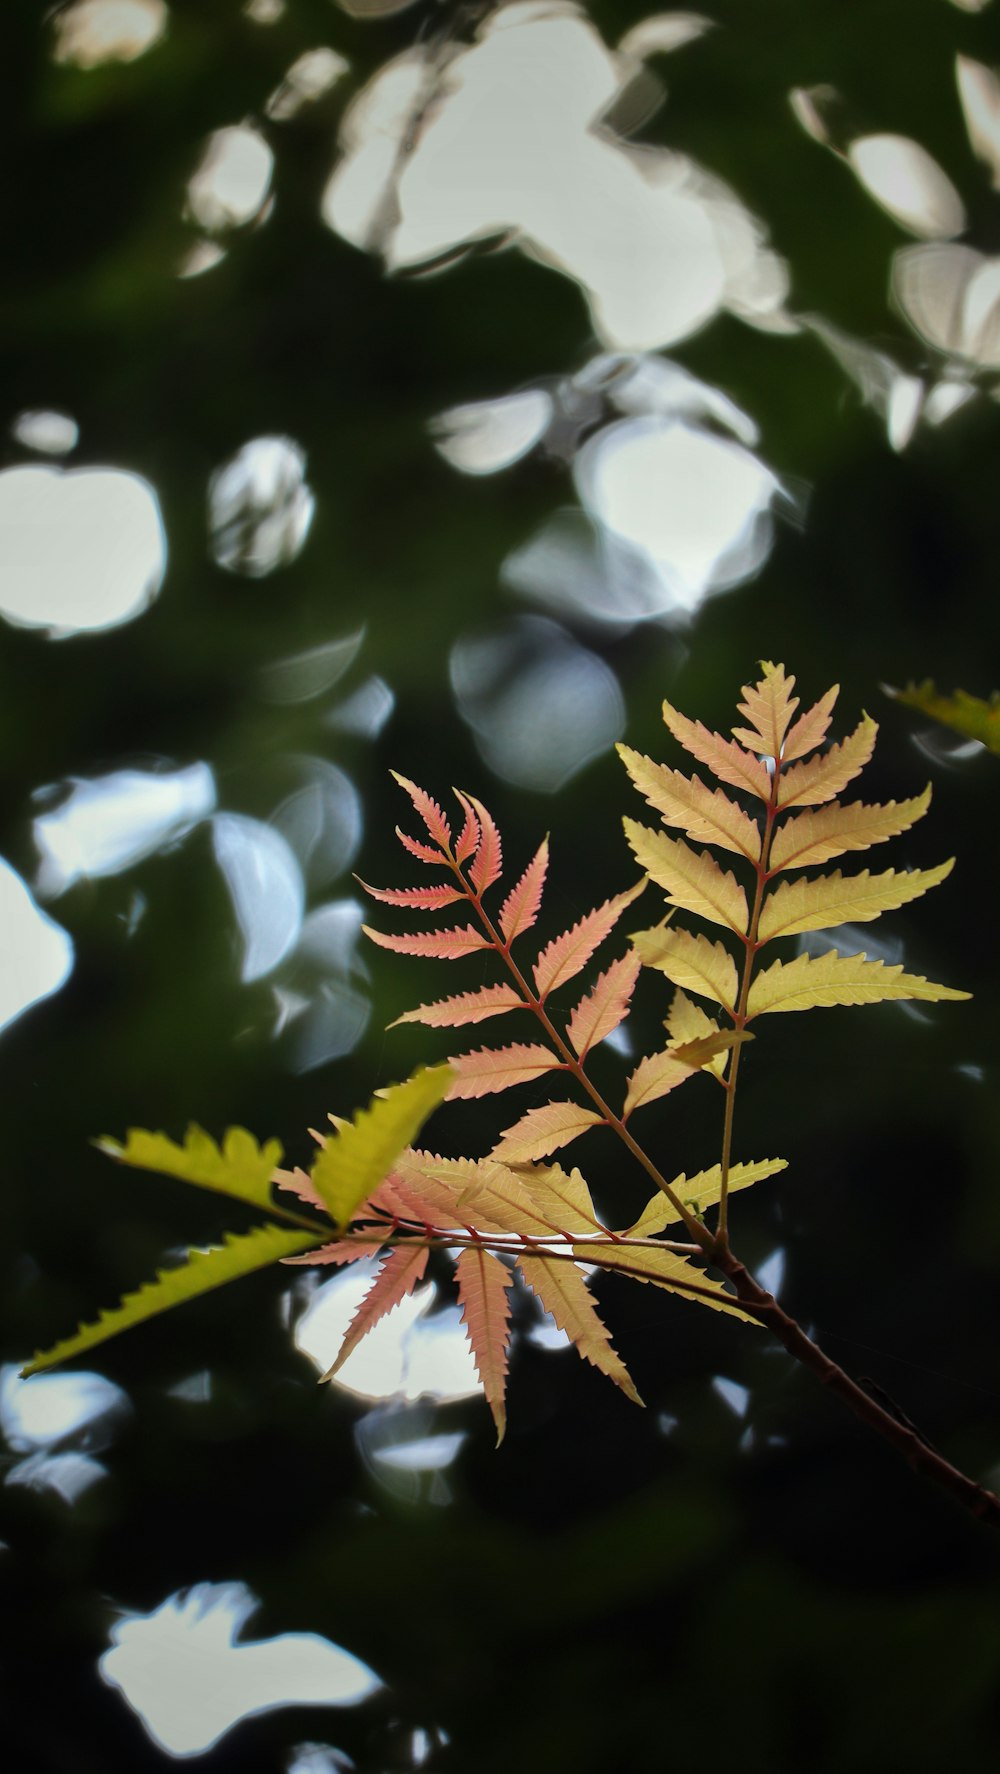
(488, 860)
(417, 899)
(520, 908)
(470, 834)
(564, 957)
(727, 760)
(423, 852)
(299, 1182)
(440, 945)
(464, 1007)
(431, 814)
(482, 1291)
(542, 1131)
(604, 1007)
(488, 1070)
(342, 1250)
(397, 1277)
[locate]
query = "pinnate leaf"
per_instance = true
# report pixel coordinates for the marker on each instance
(465, 1007)
(201, 1271)
(831, 830)
(837, 979)
(437, 945)
(706, 814)
(483, 1282)
(520, 908)
(402, 1268)
(769, 707)
(727, 760)
(690, 961)
(563, 1292)
(488, 859)
(416, 899)
(810, 729)
(690, 878)
(564, 957)
(428, 809)
(492, 1069)
(240, 1168)
(700, 1192)
(354, 1161)
(821, 778)
(827, 900)
(969, 715)
(542, 1131)
(604, 1007)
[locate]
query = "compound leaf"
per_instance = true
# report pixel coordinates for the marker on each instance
(690, 961)
(241, 1168)
(354, 1160)
(706, 814)
(830, 830)
(691, 879)
(827, 900)
(837, 979)
(202, 1270)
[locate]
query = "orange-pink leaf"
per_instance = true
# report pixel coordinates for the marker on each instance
(423, 852)
(428, 809)
(482, 1291)
(417, 899)
(488, 860)
(603, 1008)
(439, 945)
(654, 1077)
(465, 1007)
(299, 1182)
(488, 1070)
(469, 835)
(810, 729)
(822, 778)
(520, 908)
(542, 1131)
(567, 954)
(563, 1292)
(397, 1277)
(729, 761)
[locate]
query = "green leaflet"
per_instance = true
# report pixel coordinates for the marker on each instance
(202, 1270)
(700, 1192)
(356, 1158)
(963, 713)
(240, 1168)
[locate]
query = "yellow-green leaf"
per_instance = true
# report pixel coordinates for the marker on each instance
(201, 1271)
(665, 1268)
(700, 1192)
(355, 1159)
(240, 1168)
(829, 831)
(822, 777)
(692, 962)
(828, 900)
(706, 814)
(769, 707)
(963, 713)
(837, 979)
(563, 1292)
(689, 878)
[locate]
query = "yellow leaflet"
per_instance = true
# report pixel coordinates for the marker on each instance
(664, 1268)
(692, 962)
(655, 1077)
(689, 878)
(688, 1022)
(240, 1167)
(837, 979)
(705, 814)
(821, 778)
(840, 899)
(769, 707)
(700, 1192)
(563, 1292)
(355, 1159)
(829, 831)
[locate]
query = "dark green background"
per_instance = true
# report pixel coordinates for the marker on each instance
(597, 1596)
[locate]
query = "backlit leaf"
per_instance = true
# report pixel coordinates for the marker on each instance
(604, 1007)
(240, 1168)
(566, 955)
(563, 1196)
(483, 1282)
(827, 900)
(487, 862)
(831, 830)
(339, 1250)
(428, 809)
(705, 814)
(563, 1292)
(688, 1022)
(654, 1077)
(422, 851)
(542, 1131)
(965, 714)
(769, 707)
(700, 1192)
(465, 1007)
(691, 961)
(520, 908)
(665, 1268)
(402, 1268)
(821, 778)
(810, 729)
(837, 979)
(468, 837)
(354, 1161)
(438, 945)
(727, 760)
(417, 899)
(690, 878)
(201, 1271)
(488, 1069)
